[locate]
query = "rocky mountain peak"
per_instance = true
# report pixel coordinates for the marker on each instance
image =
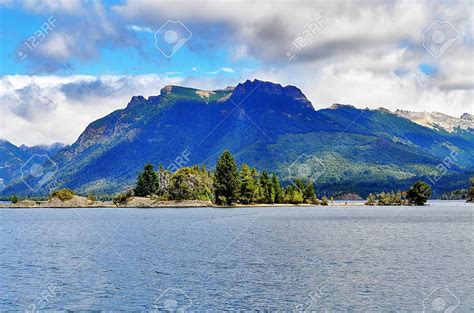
(467, 116)
(267, 88)
(439, 121)
(337, 106)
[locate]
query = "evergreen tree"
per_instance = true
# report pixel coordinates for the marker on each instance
(293, 195)
(419, 193)
(324, 201)
(147, 182)
(371, 200)
(278, 190)
(267, 188)
(247, 185)
(300, 184)
(470, 195)
(309, 195)
(191, 183)
(258, 194)
(163, 183)
(226, 183)
(14, 199)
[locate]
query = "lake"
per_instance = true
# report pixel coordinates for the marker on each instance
(320, 258)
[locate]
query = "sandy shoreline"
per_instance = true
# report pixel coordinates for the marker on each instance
(138, 202)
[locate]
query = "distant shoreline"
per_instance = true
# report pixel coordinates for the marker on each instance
(180, 205)
(141, 202)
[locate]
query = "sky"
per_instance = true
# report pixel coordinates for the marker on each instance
(65, 63)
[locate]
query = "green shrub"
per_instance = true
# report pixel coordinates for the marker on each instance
(122, 198)
(324, 201)
(14, 199)
(91, 198)
(419, 193)
(62, 194)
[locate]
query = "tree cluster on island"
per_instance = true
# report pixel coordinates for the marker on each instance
(226, 185)
(470, 197)
(418, 194)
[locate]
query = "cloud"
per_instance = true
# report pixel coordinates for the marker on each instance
(48, 109)
(40, 6)
(380, 37)
(368, 54)
(80, 29)
(140, 29)
(227, 69)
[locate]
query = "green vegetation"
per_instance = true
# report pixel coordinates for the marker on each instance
(225, 186)
(387, 198)
(471, 191)
(14, 199)
(371, 200)
(278, 190)
(324, 201)
(147, 182)
(248, 185)
(62, 194)
(191, 183)
(226, 181)
(460, 194)
(91, 198)
(418, 194)
(122, 198)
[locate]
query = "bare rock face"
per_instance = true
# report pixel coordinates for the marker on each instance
(467, 117)
(440, 121)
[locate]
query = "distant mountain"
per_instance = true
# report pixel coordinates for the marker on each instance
(12, 158)
(342, 148)
(440, 121)
(43, 149)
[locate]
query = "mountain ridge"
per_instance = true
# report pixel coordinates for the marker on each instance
(266, 125)
(440, 121)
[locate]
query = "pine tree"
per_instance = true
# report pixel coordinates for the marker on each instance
(267, 188)
(470, 196)
(258, 194)
(309, 195)
(293, 195)
(419, 193)
(300, 184)
(278, 190)
(247, 185)
(226, 183)
(147, 182)
(371, 200)
(324, 201)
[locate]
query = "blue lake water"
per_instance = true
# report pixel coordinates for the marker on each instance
(322, 258)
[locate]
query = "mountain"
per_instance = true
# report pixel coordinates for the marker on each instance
(440, 121)
(342, 148)
(12, 158)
